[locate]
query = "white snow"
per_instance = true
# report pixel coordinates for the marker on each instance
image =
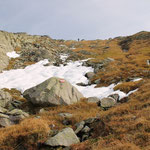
(64, 57)
(35, 74)
(137, 79)
(12, 54)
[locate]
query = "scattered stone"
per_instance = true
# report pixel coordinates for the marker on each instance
(65, 115)
(98, 81)
(5, 99)
(114, 96)
(4, 116)
(54, 91)
(3, 110)
(86, 129)
(5, 122)
(42, 110)
(91, 126)
(89, 75)
(82, 84)
(17, 114)
(15, 104)
(66, 122)
(79, 126)
(107, 102)
(93, 99)
(65, 137)
(90, 120)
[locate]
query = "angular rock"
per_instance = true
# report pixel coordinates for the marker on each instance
(3, 110)
(93, 100)
(17, 114)
(114, 96)
(65, 115)
(108, 102)
(5, 122)
(79, 126)
(66, 137)
(54, 91)
(89, 75)
(90, 120)
(5, 98)
(86, 129)
(97, 81)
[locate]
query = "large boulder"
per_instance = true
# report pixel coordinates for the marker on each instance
(66, 137)
(54, 91)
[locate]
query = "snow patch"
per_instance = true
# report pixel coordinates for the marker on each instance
(12, 54)
(137, 79)
(73, 72)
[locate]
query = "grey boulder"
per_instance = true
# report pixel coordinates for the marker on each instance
(54, 91)
(93, 100)
(5, 98)
(65, 137)
(107, 102)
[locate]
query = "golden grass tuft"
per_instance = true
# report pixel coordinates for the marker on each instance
(128, 86)
(28, 133)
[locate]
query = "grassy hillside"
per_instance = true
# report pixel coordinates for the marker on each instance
(128, 122)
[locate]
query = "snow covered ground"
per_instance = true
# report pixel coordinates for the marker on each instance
(12, 54)
(35, 74)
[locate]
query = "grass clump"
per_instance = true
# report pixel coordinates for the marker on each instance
(128, 86)
(27, 134)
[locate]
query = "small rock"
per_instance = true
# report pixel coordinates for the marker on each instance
(5, 122)
(65, 115)
(115, 96)
(90, 120)
(81, 84)
(66, 122)
(42, 110)
(86, 129)
(93, 100)
(97, 81)
(79, 126)
(89, 75)
(85, 137)
(3, 110)
(5, 98)
(4, 116)
(65, 137)
(108, 102)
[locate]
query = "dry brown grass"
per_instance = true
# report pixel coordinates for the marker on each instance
(130, 121)
(81, 111)
(28, 133)
(130, 124)
(128, 86)
(16, 95)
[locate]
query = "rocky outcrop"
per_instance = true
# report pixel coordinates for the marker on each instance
(54, 91)
(5, 46)
(8, 118)
(31, 48)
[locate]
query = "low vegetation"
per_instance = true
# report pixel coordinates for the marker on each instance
(129, 122)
